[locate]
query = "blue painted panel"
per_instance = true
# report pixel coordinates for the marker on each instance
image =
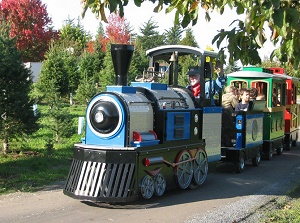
(255, 115)
(239, 140)
(178, 122)
(121, 89)
(254, 144)
(212, 110)
(239, 123)
(94, 138)
(151, 86)
(214, 158)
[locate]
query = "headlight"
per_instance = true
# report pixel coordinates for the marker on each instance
(104, 117)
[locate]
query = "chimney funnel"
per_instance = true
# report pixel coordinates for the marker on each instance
(121, 56)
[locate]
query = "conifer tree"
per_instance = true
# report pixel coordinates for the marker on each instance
(54, 70)
(17, 117)
(107, 75)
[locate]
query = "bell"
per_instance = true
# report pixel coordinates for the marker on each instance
(174, 57)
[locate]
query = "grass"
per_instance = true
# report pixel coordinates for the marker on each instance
(33, 163)
(286, 208)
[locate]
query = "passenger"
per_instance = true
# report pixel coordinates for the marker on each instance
(194, 81)
(253, 93)
(275, 100)
(260, 97)
(229, 99)
(245, 97)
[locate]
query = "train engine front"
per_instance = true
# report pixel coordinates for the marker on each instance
(140, 140)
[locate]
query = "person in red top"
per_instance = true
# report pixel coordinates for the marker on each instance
(194, 81)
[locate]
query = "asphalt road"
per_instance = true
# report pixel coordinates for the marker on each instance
(225, 197)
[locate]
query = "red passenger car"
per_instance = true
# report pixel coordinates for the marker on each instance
(292, 109)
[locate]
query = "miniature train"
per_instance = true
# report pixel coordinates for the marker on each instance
(147, 138)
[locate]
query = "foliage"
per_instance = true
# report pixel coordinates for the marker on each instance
(31, 166)
(86, 90)
(101, 40)
(149, 37)
(281, 17)
(118, 29)
(55, 70)
(17, 118)
(107, 74)
(30, 25)
(74, 37)
(90, 65)
(232, 68)
(189, 39)
(173, 35)
(71, 67)
(58, 121)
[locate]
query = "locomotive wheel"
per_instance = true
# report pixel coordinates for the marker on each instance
(256, 160)
(184, 171)
(200, 167)
(159, 184)
(147, 187)
(240, 165)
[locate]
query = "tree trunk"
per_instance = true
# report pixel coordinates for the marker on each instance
(71, 99)
(5, 146)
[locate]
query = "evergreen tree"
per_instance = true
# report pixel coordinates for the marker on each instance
(54, 70)
(173, 35)
(17, 116)
(60, 123)
(189, 39)
(90, 64)
(74, 37)
(149, 37)
(188, 60)
(86, 90)
(107, 74)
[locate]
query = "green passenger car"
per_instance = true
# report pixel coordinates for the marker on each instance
(270, 98)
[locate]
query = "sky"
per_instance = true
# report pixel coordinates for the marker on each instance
(204, 32)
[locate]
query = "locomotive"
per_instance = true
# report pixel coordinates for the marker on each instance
(140, 140)
(145, 139)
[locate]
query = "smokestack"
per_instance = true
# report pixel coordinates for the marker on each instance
(121, 56)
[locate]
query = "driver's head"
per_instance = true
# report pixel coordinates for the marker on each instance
(194, 75)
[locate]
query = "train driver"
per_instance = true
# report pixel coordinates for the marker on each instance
(194, 81)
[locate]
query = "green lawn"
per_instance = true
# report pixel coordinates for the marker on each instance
(32, 162)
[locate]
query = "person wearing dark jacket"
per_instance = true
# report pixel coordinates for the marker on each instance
(245, 97)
